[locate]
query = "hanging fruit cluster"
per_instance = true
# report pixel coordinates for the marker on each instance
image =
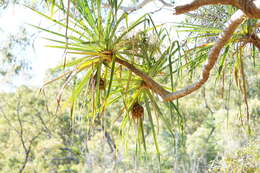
(137, 111)
(93, 83)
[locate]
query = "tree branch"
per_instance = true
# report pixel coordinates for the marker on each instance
(236, 19)
(27, 148)
(166, 3)
(195, 4)
(154, 86)
(252, 38)
(250, 7)
(255, 40)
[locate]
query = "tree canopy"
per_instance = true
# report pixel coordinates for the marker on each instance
(118, 86)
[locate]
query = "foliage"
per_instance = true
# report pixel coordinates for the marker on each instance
(102, 40)
(12, 51)
(245, 159)
(107, 118)
(62, 146)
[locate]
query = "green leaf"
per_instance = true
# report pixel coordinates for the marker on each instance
(153, 128)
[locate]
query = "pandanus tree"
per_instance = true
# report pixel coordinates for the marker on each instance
(113, 64)
(131, 62)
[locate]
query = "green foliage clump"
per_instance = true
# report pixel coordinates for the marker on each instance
(245, 159)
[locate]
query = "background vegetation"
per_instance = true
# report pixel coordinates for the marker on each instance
(77, 123)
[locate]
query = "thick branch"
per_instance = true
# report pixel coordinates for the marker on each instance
(252, 38)
(250, 7)
(255, 40)
(232, 24)
(154, 86)
(195, 4)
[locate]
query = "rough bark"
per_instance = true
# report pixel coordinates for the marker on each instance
(250, 7)
(195, 4)
(255, 40)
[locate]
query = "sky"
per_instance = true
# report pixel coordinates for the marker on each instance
(43, 58)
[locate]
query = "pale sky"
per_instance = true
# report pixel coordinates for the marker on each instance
(44, 57)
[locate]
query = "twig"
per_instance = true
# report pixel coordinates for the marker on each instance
(166, 3)
(27, 150)
(131, 8)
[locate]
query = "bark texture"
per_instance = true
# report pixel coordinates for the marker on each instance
(195, 4)
(255, 40)
(250, 7)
